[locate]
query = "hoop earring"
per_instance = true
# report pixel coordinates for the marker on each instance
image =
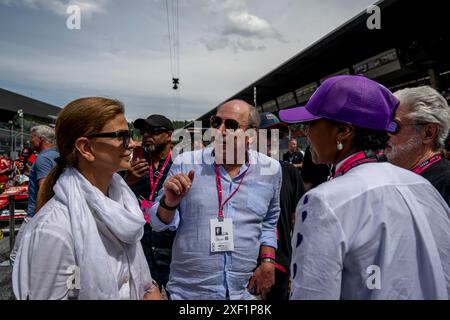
(340, 146)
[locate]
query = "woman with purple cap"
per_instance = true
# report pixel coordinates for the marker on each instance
(374, 231)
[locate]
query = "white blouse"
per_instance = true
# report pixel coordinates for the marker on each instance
(49, 270)
(377, 232)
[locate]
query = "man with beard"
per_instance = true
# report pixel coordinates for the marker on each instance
(151, 163)
(424, 119)
(374, 231)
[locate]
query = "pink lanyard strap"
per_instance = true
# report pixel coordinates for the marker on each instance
(154, 184)
(219, 190)
(424, 165)
(356, 160)
(281, 268)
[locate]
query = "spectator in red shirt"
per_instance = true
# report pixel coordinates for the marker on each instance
(5, 168)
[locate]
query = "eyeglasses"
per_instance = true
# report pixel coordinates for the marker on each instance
(401, 125)
(152, 130)
(125, 135)
(216, 122)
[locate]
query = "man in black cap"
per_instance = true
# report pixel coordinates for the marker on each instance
(151, 163)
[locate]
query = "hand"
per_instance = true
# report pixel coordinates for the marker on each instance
(153, 294)
(263, 278)
(176, 187)
(136, 172)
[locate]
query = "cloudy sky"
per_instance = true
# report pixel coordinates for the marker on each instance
(122, 48)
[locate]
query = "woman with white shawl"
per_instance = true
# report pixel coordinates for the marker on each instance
(84, 242)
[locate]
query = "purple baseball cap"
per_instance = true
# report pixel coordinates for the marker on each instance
(350, 99)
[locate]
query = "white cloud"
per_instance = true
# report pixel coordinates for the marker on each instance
(249, 25)
(249, 45)
(124, 54)
(214, 43)
(59, 7)
(218, 6)
(236, 28)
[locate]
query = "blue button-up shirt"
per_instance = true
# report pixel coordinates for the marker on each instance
(195, 272)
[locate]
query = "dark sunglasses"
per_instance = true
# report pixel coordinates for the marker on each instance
(216, 122)
(152, 130)
(125, 135)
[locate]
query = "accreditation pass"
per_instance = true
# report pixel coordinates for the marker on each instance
(221, 235)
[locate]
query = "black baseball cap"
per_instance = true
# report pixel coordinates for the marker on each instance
(155, 121)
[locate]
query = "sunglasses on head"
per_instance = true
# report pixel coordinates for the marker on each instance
(216, 122)
(125, 135)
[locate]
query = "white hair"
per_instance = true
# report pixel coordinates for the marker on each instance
(426, 105)
(46, 132)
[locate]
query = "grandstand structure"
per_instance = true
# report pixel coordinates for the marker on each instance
(14, 108)
(411, 48)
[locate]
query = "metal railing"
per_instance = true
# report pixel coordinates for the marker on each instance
(11, 209)
(10, 141)
(12, 222)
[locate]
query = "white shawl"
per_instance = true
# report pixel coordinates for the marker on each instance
(121, 214)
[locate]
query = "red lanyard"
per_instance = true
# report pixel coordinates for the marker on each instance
(424, 165)
(219, 189)
(154, 184)
(356, 160)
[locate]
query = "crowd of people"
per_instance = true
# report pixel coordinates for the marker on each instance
(16, 172)
(362, 213)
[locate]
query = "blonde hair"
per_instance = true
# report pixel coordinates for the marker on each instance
(79, 118)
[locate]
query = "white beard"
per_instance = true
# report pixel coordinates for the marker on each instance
(403, 151)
